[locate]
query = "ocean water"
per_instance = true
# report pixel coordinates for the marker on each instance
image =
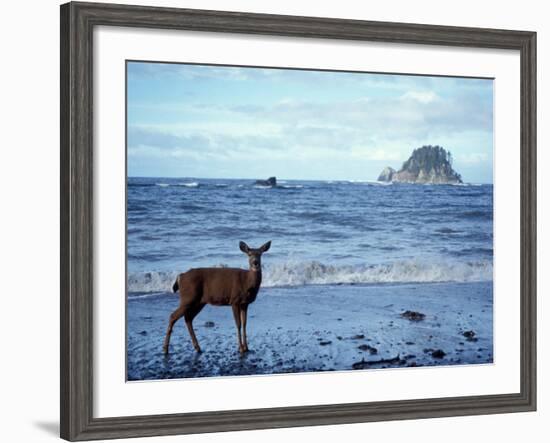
(322, 232)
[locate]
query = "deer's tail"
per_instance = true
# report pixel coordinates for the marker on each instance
(176, 285)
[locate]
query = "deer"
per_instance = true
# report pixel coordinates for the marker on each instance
(233, 287)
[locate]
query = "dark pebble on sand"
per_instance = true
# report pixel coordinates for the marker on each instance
(413, 315)
(338, 337)
(209, 324)
(324, 343)
(369, 348)
(438, 354)
(409, 343)
(358, 337)
(143, 333)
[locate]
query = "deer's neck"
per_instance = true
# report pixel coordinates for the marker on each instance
(254, 278)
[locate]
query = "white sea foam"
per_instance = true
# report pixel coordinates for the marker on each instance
(154, 281)
(187, 185)
(293, 273)
(466, 184)
(292, 186)
(298, 274)
(374, 183)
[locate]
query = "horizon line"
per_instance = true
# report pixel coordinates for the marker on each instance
(280, 179)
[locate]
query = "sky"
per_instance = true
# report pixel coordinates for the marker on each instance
(241, 122)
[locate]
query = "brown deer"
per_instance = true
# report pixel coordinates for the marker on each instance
(219, 287)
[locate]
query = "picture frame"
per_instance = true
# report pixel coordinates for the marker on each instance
(78, 21)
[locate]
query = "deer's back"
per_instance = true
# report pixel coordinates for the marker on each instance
(217, 286)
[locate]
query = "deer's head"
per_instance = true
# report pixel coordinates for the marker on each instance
(254, 255)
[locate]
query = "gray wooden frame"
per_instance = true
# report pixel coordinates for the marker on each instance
(77, 24)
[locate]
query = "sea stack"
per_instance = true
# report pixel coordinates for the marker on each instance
(271, 181)
(426, 165)
(386, 175)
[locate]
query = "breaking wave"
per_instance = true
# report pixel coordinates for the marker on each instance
(316, 273)
(185, 184)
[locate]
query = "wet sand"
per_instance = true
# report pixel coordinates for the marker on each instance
(318, 328)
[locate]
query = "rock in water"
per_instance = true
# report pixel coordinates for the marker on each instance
(271, 181)
(428, 164)
(386, 175)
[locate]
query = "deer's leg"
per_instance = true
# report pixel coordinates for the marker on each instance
(244, 312)
(174, 317)
(237, 317)
(190, 313)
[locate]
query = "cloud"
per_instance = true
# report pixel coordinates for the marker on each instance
(379, 154)
(412, 115)
(145, 141)
(473, 158)
(181, 71)
(367, 128)
(165, 141)
(420, 96)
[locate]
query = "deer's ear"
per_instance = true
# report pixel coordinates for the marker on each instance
(244, 247)
(265, 247)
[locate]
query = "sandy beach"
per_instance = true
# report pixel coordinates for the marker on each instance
(318, 328)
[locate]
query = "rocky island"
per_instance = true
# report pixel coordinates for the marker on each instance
(271, 181)
(428, 164)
